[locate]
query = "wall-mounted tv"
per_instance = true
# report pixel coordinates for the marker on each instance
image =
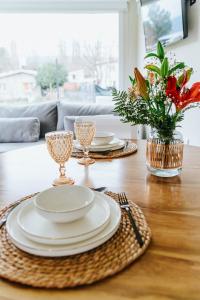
(164, 20)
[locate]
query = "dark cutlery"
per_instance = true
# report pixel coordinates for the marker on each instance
(100, 189)
(123, 201)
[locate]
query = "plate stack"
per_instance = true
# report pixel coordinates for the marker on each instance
(103, 141)
(63, 221)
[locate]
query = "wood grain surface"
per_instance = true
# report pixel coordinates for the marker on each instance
(170, 269)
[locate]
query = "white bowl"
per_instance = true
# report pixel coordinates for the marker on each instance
(103, 137)
(64, 204)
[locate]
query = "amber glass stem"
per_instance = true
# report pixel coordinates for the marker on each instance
(62, 170)
(86, 152)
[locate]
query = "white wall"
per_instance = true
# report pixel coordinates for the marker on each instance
(127, 43)
(188, 51)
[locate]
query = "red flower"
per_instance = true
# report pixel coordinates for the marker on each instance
(181, 96)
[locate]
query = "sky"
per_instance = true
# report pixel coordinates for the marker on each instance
(41, 33)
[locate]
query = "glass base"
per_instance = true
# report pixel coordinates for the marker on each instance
(164, 172)
(62, 181)
(86, 161)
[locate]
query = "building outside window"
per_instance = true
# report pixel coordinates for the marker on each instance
(68, 56)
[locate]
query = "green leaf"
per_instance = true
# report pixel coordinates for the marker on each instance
(153, 69)
(151, 55)
(164, 67)
(160, 51)
(148, 84)
(179, 66)
(132, 80)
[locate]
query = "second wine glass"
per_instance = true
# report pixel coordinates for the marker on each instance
(85, 132)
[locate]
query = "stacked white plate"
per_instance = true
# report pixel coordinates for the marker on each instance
(104, 141)
(33, 233)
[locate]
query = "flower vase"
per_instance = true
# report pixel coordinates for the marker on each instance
(164, 156)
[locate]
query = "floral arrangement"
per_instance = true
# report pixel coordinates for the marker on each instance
(161, 99)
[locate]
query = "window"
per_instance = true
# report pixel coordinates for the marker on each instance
(48, 56)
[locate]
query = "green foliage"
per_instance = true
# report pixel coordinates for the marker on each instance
(132, 80)
(144, 112)
(131, 111)
(151, 55)
(153, 69)
(158, 110)
(160, 51)
(49, 75)
(179, 66)
(164, 68)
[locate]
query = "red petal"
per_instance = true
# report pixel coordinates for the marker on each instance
(171, 83)
(195, 90)
(187, 102)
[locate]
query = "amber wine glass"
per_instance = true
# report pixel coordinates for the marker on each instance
(60, 145)
(85, 132)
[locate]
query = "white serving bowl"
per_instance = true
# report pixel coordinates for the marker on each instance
(103, 137)
(64, 204)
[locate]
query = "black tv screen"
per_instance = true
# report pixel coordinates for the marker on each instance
(164, 20)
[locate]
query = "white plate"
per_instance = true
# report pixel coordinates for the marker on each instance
(120, 144)
(113, 143)
(20, 241)
(117, 147)
(41, 230)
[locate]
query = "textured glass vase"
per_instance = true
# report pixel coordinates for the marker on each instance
(164, 157)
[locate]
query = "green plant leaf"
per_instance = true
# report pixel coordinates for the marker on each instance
(148, 84)
(132, 80)
(179, 66)
(165, 67)
(151, 55)
(160, 51)
(153, 68)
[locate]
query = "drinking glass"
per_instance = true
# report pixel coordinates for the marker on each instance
(85, 132)
(60, 145)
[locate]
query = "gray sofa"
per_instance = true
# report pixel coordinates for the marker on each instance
(50, 116)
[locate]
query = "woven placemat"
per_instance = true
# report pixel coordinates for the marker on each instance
(130, 149)
(86, 268)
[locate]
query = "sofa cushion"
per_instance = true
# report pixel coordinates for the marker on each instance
(80, 109)
(4, 147)
(46, 112)
(19, 130)
(70, 120)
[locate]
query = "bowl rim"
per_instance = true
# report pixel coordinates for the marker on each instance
(51, 211)
(108, 134)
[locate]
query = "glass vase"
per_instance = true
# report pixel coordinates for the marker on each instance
(164, 157)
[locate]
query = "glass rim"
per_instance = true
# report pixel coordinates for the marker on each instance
(59, 133)
(82, 123)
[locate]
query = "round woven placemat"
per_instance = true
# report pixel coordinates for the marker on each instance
(130, 149)
(86, 268)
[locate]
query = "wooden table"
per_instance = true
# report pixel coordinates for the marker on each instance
(170, 269)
